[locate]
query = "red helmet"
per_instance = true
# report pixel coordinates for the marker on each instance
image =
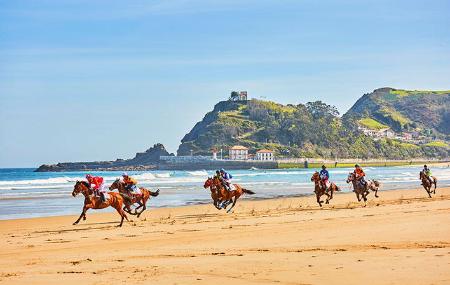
(88, 176)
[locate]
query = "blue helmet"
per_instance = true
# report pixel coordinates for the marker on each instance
(222, 170)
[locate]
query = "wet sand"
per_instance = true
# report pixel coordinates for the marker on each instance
(403, 237)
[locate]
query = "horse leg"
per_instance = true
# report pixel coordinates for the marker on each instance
(357, 196)
(428, 191)
(234, 203)
(83, 214)
(318, 199)
(122, 215)
(143, 209)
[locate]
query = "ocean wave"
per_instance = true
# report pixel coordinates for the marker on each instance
(163, 175)
(203, 173)
(30, 187)
(54, 180)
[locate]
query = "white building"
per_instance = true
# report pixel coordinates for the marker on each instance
(238, 152)
(264, 154)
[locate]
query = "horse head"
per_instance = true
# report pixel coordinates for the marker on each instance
(421, 174)
(80, 186)
(315, 177)
(350, 177)
(208, 183)
(115, 184)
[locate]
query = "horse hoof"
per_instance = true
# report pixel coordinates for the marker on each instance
(75, 224)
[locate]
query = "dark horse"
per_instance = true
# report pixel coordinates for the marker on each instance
(220, 194)
(131, 199)
(362, 191)
(319, 189)
(427, 184)
(93, 202)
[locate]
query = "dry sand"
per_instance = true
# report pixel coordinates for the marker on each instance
(400, 238)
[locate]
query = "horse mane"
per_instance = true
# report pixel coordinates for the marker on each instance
(84, 183)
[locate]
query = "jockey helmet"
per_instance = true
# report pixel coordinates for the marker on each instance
(124, 174)
(222, 170)
(356, 165)
(425, 166)
(88, 176)
(324, 167)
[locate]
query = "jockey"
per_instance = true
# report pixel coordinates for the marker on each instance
(427, 173)
(359, 174)
(96, 184)
(324, 176)
(226, 179)
(131, 184)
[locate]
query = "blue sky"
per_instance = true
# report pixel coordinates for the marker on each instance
(97, 80)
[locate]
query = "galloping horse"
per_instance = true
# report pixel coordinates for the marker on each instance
(141, 199)
(319, 189)
(93, 202)
(358, 188)
(219, 193)
(427, 184)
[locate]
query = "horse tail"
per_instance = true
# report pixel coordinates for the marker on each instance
(377, 184)
(337, 188)
(154, 194)
(246, 191)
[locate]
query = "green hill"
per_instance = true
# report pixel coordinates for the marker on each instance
(403, 110)
(313, 129)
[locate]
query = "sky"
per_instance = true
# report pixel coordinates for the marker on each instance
(86, 80)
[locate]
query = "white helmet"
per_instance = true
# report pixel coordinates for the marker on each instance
(124, 174)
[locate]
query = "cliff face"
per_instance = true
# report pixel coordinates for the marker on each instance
(142, 161)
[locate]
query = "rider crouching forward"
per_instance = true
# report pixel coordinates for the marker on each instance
(97, 185)
(359, 175)
(131, 184)
(226, 179)
(324, 177)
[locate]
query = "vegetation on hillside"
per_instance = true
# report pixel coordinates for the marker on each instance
(313, 129)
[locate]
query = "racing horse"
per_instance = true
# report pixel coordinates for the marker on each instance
(319, 189)
(362, 191)
(91, 201)
(132, 199)
(221, 195)
(427, 184)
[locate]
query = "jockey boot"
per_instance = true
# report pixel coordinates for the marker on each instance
(102, 197)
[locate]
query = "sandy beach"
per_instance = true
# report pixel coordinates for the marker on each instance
(403, 237)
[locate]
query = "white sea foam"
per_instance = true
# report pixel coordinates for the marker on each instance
(203, 173)
(55, 180)
(13, 187)
(145, 176)
(163, 175)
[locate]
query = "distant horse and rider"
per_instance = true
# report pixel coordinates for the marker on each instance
(223, 192)
(361, 187)
(428, 180)
(322, 185)
(133, 198)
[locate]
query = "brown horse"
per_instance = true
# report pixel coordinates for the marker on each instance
(427, 184)
(222, 195)
(132, 199)
(319, 189)
(363, 190)
(93, 202)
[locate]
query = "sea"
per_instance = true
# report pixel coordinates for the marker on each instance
(27, 194)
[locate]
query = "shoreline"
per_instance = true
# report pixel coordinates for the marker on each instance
(401, 236)
(249, 164)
